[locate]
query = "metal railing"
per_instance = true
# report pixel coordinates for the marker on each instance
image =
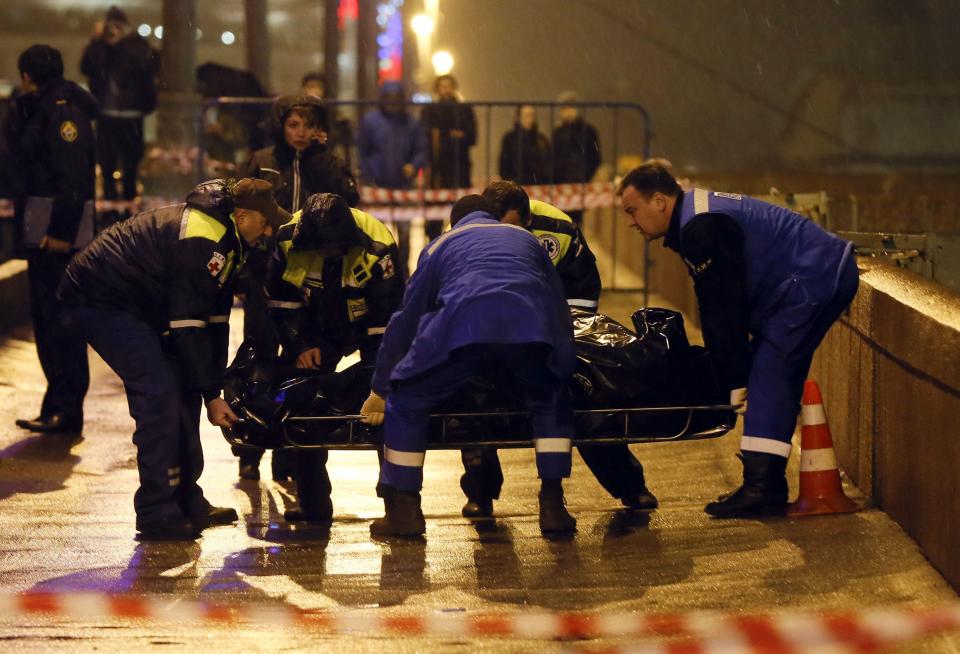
(622, 128)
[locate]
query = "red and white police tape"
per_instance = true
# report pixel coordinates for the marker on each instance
(699, 632)
(407, 204)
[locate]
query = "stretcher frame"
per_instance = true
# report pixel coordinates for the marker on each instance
(353, 424)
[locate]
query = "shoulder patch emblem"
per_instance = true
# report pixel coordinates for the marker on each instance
(69, 131)
(215, 265)
(551, 244)
(386, 264)
(698, 270)
(729, 196)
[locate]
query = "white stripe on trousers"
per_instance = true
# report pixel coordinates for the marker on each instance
(405, 459)
(552, 445)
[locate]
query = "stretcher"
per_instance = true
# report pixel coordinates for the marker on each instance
(646, 385)
(348, 432)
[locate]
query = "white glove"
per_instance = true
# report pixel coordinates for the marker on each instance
(373, 409)
(738, 399)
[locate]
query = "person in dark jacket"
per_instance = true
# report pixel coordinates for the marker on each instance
(333, 286)
(121, 68)
(576, 148)
(51, 139)
(614, 466)
(525, 151)
(485, 296)
(152, 296)
(451, 128)
(339, 134)
(297, 166)
(769, 285)
(392, 150)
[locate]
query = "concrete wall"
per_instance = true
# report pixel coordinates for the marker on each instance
(890, 375)
(14, 292)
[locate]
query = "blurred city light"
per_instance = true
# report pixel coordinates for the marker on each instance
(442, 62)
(422, 25)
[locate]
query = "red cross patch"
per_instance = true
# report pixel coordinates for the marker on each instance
(215, 265)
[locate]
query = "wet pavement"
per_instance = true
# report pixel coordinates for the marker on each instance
(67, 526)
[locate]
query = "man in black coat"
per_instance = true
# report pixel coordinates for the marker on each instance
(51, 140)
(576, 148)
(152, 296)
(121, 67)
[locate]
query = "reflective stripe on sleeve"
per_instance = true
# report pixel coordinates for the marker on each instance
(373, 331)
(584, 304)
(279, 304)
(766, 445)
(218, 319)
(701, 201)
(405, 459)
(182, 324)
(552, 445)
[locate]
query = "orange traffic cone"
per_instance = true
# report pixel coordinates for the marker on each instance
(820, 489)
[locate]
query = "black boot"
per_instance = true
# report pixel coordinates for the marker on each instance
(554, 517)
(313, 488)
(481, 508)
(250, 463)
(642, 500)
(282, 465)
(403, 517)
(318, 510)
(764, 489)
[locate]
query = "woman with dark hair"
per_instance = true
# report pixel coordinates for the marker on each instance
(297, 166)
(525, 151)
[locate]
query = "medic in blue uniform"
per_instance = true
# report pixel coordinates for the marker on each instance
(769, 285)
(485, 296)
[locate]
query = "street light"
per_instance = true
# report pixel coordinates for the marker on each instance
(422, 25)
(442, 62)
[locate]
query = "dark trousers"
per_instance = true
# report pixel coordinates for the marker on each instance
(614, 466)
(525, 365)
(63, 356)
(166, 412)
(119, 147)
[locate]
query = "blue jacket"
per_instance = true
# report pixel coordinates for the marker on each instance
(757, 268)
(385, 143)
(482, 282)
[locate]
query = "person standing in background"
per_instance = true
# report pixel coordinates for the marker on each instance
(525, 151)
(339, 132)
(51, 140)
(121, 68)
(452, 130)
(392, 150)
(576, 148)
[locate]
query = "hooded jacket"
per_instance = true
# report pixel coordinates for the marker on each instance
(336, 303)
(173, 268)
(296, 175)
(388, 140)
(52, 142)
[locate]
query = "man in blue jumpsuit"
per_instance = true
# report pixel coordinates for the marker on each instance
(614, 466)
(152, 296)
(769, 285)
(485, 296)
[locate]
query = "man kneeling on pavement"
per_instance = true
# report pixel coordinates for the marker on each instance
(485, 296)
(152, 296)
